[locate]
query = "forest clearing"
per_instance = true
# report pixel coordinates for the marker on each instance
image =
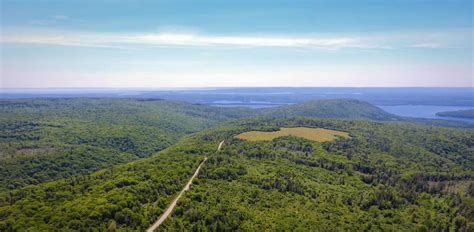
(314, 134)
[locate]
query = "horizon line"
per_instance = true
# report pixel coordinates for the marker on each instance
(222, 87)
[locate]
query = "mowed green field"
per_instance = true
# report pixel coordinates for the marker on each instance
(315, 134)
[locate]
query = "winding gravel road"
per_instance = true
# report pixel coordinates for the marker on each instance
(170, 208)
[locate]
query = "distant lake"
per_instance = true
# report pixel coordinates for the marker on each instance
(425, 111)
(250, 104)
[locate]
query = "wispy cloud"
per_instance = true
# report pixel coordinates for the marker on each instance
(55, 19)
(41, 22)
(60, 17)
(129, 40)
(199, 40)
(428, 45)
(107, 40)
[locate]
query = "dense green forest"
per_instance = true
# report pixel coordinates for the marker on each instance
(46, 139)
(385, 176)
(457, 114)
(127, 196)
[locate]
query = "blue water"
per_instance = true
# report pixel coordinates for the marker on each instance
(249, 104)
(425, 111)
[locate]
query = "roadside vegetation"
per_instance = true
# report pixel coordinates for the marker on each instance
(128, 196)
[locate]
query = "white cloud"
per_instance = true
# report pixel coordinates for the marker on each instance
(181, 39)
(198, 40)
(132, 41)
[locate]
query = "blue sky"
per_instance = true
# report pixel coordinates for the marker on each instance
(235, 43)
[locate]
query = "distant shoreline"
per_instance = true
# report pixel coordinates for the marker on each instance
(468, 114)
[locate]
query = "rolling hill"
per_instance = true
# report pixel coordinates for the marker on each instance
(335, 108)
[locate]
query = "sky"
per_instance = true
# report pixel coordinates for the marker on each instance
(165, 44)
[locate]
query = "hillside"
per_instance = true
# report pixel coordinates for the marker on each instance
(457, 114)
(385, 176)
(46, 139)
(350, 109)
(335, 108)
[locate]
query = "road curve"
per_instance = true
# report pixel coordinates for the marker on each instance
(220, 145)
(170, 208)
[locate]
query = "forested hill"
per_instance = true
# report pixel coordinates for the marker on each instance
(350, 109)
(336, 108)
(457, 114)
(383, 177)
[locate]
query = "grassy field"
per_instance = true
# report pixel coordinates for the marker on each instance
(315, 134)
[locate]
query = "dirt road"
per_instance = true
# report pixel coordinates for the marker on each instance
(220, 145)
(170, 208)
